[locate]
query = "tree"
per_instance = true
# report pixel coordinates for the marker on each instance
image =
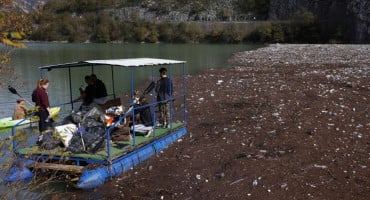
(166, 32)
(215, 34)
(232, 34)
(305, 27)
(188, 32)
(277, 33)
(262, 34)
(13, 27)
(102, 33)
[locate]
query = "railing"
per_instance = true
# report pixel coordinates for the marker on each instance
(132, 113)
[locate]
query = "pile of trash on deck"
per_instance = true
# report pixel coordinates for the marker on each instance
(81, 131)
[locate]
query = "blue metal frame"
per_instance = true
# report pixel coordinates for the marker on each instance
(184, 92)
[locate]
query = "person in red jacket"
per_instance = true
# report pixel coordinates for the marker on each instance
(40, 97)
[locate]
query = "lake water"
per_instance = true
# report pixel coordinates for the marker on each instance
(26, 62)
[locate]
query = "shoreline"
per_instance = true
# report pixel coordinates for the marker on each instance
(298, 54)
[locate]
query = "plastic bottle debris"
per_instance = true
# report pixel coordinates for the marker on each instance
(255, 182)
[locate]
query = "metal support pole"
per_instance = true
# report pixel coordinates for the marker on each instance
(70, 86)
(184, 91)
(133, 110)
(154, 105)
(114, 91)
(171, 97)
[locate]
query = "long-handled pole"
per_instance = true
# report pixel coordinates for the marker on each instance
(14, 91)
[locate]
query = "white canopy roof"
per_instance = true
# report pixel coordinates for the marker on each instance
(131, 62)
(135, 62)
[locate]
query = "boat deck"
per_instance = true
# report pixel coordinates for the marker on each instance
(117, 150)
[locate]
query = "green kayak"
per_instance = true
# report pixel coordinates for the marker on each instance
(8, 122)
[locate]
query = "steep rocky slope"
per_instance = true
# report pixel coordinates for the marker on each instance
(352, 16)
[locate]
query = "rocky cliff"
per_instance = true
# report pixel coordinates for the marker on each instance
(359, 20)
(352, 16)
(218, 10)
(28, 5)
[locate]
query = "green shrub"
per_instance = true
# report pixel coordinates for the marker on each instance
(188, 32)
(153, 36)
(126, 28)
(262, 34)
(166, 32)
(215, 34)
(141, 33)
(277, 33)
(195, 33)
(232, 34)
(102, 34)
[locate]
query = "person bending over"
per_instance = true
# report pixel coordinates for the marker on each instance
(88, 94)
(146, 125)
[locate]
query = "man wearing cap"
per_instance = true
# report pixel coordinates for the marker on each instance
(164, 90)
(20, 109)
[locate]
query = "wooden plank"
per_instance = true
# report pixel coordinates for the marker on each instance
(57, 167)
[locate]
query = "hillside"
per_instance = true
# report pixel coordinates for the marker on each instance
(173, 10)
(295, 21)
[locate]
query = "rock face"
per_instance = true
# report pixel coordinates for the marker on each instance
(218, 10)
(359, 12)
(353, 16)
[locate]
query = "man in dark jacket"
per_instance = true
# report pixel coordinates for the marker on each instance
(164, 90)
(101, 91)
(88, 94)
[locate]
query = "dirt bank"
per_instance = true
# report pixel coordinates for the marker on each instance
(286, 122)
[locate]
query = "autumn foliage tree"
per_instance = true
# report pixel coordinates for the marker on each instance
(14, 25)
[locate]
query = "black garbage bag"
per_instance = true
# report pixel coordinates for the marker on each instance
(75, 145)
(76, 117)
(88, 140)
(95, 138)
(90, 136)
(89, 123)
(93, 118)
(49, 141)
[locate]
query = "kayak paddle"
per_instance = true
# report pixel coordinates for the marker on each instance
(14, 91)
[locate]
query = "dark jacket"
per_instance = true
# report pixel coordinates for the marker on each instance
(90, 93)
(101, 90)
(145, 114)
(40, 97)
(164, 89)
